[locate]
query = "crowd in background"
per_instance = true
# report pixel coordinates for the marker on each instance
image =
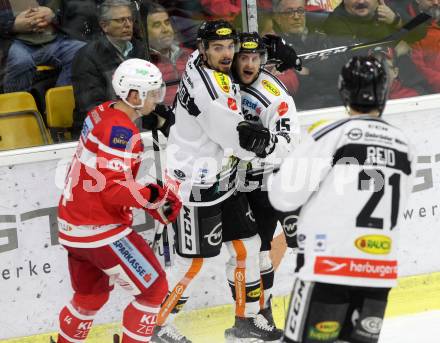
(83, 41)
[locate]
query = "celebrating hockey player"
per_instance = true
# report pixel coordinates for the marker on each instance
(352, 178)
(202, 156)
(95, 214)
(272, 124)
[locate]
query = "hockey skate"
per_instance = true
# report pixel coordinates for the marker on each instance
(168, 334)
(267, 313)
(252, 330)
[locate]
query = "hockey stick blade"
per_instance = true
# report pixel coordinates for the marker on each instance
(396, 36)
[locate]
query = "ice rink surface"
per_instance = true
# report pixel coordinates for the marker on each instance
(416, 328)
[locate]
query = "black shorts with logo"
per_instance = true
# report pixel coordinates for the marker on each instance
(322, 312)
(267, 217)
(200, 231)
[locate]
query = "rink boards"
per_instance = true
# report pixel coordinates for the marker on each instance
(34, 283)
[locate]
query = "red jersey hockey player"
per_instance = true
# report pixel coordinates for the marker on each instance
(95, 215)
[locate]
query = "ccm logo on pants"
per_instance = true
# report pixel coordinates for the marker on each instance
(187, 226)
(298, 309)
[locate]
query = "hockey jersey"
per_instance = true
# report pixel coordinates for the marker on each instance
(352, 179)
(203, 146)
(100, 188)
(268, 102)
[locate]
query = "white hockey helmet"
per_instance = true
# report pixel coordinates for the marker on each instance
(139, 75)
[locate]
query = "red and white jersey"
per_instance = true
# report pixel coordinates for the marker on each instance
(100, 188)
(352, 179)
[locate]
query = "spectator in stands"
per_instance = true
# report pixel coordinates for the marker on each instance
(317, 80)
(79, 18)
(387, 56)
(360, 21)
(31, 27)
(95, 63)
(165, 52)
(363, 20)
(288, 77)
(425, 53)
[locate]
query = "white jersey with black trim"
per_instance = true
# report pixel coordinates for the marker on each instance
(352, 179)
(203, 146)
(268, 102)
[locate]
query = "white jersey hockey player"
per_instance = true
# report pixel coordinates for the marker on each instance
(270, 112)
(352, 179)
(202, 156)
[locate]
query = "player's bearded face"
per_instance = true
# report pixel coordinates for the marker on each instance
(248, 65)
(219, 55)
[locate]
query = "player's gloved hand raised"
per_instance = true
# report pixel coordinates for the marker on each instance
(166, 117)
(278, 49)
(163, 205)
(162, 117)
(256, 138)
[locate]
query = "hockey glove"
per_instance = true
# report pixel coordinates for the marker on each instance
(166, 113)
(278, 49)
(163, 205)
(162, 117)
(256, 138)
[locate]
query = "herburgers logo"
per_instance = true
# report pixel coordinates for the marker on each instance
(271, 88)
(224, 31)
(222, 80)
(249, 45)
(374, 244)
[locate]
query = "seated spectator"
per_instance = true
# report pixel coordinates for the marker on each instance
(425, 52)
(79, 18)
(165, 52)
(35, 39)
(387, 56)
(288, 77)
(317, 80)
(95, 63)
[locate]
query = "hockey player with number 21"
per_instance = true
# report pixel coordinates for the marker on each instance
(95, 215)
(352, 179)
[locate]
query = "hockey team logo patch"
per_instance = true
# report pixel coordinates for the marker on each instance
(232, 104)
(250, 45)
(374, 244)
(224, 31)
(325, 331)
(223, 81)
(355, 267)
(283, 108)
(270, 87)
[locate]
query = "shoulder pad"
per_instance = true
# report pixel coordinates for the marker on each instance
(222, 81)
(319, 124)
(270, 85)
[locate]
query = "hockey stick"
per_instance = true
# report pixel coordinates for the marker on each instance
(396, 36)
(160, 230)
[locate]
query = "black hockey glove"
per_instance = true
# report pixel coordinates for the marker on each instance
(256, 138)
(278, 49)
(152, 121)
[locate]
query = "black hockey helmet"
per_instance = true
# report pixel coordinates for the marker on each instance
(216, 30)
(363, 84)
(251, 42)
